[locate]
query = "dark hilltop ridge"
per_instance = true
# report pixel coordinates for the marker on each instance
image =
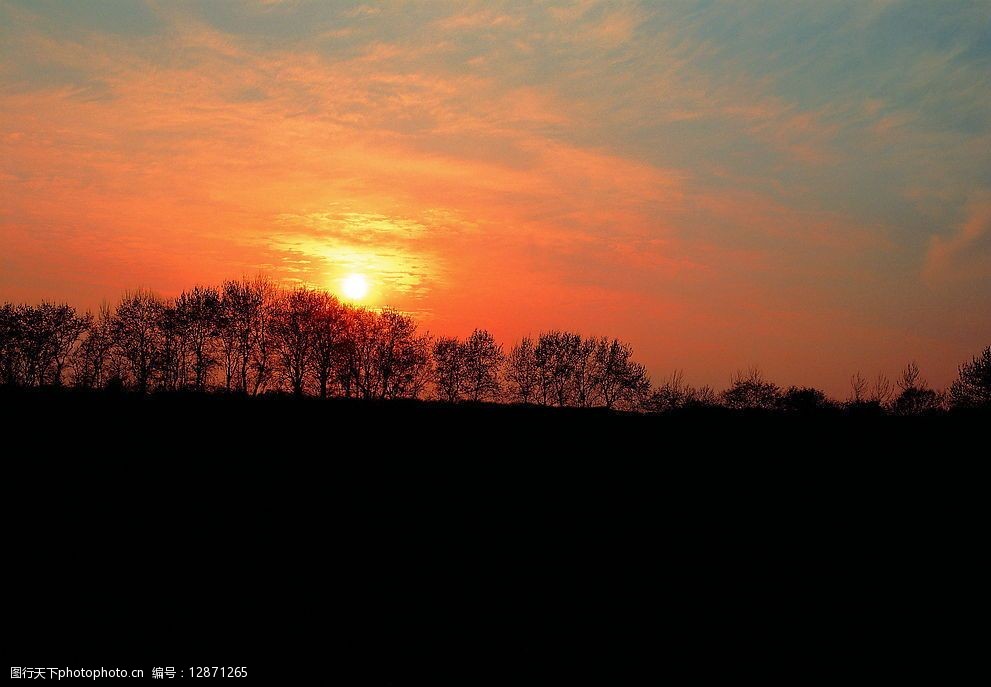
(414, 541)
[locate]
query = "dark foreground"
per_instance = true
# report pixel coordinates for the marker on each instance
(415, 543)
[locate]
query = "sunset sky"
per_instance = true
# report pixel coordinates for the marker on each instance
(804, 186)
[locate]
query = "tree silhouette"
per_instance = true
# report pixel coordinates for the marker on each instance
(63, 328)
(401, 356)
(972, 388)
(173, 356)
(858, 388)
(449, 367)
(360, 356)
(522, 372)
(385, 357)
(239, 304)
(565, 369)
(198, 311)
(137, 334)
(623, 381)
(10, 345)
(555, 356)
(247, 309)
(483, 361)
(260, 361)
(37, 342)
(467, 369)
(293, 331)
(345, 357)
(587, 372)
(93, 360)
(881, 391)
(328, 332)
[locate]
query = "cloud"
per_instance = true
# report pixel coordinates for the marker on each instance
(363, 11)
(966, 253)
(617, 27)
(486, 19)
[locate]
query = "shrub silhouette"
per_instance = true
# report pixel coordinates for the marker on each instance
(675, 395)
(805, 400)
(751, 392)
(916, 397)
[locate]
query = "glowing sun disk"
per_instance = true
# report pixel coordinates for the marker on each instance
(354, 286)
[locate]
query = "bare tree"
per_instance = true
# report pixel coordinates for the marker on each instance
(483, 360)
(93, 361)
(587, 373)
(402, 356)
(137, 335)
(858, 388)
(38, 341)
(294, 333)
(567, 369)
(360, 354)
(522, 372)
(34, 345)
(383, 356)
(174, 358)
(328, 332)
(623, 382)
(449, 367)
(881, 390)
(237, 304)
(345, 360)
(247, 310)
(260, 361)
(198, 311)
(555, 354)
(11, 359)
(911, 378)
(66, 328)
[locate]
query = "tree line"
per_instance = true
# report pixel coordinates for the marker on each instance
(252, 337)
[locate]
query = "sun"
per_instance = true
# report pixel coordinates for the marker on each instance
(354, 286)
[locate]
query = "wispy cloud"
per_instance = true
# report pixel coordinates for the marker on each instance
(964, 254)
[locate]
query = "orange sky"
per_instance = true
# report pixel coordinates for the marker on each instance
(700, 180)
